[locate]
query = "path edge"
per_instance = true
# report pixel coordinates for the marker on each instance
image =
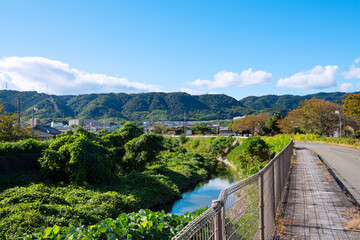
(341, 185)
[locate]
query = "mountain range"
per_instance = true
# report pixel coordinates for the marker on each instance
(149, 106)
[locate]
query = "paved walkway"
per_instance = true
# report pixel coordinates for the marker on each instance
(316, 204)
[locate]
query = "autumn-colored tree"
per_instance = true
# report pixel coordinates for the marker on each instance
(250, 123)
(313, 115)
(10, 129)
(352, 105)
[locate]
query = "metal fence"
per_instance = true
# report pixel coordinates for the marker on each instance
(247, 209)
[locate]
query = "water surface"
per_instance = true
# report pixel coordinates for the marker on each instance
(202, 195)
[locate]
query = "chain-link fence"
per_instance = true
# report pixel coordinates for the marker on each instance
(247, 209)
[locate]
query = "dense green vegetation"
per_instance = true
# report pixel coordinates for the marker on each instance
(269, 103)
(255, 152)
(210, 146)
(142, 225)
(90, 177)
(23, 147)
(146, 106)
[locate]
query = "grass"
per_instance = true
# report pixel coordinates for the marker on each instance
(353, 222)
(199, 144)
(347, 142)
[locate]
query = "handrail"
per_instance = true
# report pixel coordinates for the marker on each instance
(233, 213)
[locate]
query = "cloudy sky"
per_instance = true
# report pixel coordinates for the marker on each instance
(239, 48)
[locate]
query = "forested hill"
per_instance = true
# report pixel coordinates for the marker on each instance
(146, 106)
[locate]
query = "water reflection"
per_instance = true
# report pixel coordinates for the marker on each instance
(202, 195)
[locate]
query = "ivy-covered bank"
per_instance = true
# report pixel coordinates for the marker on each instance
(89, 181)
(255, 152)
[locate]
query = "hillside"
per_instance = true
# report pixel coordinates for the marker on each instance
(146, 106)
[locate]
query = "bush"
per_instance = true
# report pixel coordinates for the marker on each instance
(250, 156)
(142, 225)
(78, 158)
(220, 144)
(141, 151)
(23, 147)
(183, 139)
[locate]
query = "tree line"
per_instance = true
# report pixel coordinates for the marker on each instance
(312, 116)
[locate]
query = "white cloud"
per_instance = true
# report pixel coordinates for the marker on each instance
(318, 77)
(191, 91)
(41, 74)
(354, 71)
(230, 79)
(195, 92)
(346, 87)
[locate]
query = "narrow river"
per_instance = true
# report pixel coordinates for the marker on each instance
(202, 195)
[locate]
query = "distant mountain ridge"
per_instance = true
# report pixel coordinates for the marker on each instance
(146, 106)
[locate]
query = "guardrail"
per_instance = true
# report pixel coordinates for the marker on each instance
(247, 209)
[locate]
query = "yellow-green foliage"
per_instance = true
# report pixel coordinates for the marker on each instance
(248, 163)
(199, 144)
(352, 142)
(278, 143)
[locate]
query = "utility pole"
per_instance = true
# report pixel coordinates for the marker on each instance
(184, 122)
(19, 111)
(33, 120)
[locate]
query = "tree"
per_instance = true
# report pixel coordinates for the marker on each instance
(131, 131)
(77, 157)
(312, 116)
(220, 144)
(158, 128)
(352, 105)
(250, 123)
(10, 129)
(200, 128)
(141, 151)
(271, 127)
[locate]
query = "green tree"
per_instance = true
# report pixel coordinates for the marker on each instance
(250, 123)
(220, 144)
(10, 129)
(352, 105)
(158, 128)
(271, 127)
(131, 131)
(312, 116)
(77, 157)
(254, 150)
(200, 128)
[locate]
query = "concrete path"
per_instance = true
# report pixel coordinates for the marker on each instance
(344, 162)
(316, 206)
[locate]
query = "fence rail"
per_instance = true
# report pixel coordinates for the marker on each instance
(247, 209)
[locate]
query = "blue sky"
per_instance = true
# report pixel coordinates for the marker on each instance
(239, 48)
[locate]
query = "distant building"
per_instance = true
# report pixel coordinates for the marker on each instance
(45, 131)
(56, 124)
(225, 131)
(235, 118)
(89, 123)
(36, 122)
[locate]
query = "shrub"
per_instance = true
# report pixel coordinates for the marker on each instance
(250, 156)
(78, 158)
(220, 144)
(141, 151)
(23, 147)
(142, 225)
(183, 139)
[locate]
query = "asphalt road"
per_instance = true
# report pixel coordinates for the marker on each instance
(344, 162)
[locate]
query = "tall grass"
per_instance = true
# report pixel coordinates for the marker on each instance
(351, 142)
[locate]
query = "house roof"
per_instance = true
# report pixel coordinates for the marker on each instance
(47, 129)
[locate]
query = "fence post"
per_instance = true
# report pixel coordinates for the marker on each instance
(261, 207)
(273, 191)
(219, 221)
